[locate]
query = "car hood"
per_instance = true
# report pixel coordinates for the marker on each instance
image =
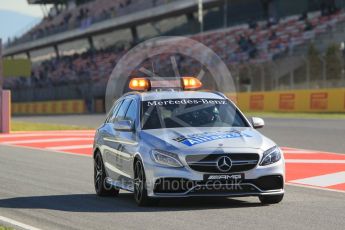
(196, 138)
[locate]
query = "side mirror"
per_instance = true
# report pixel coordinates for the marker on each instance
(258, 122)
(124, 126)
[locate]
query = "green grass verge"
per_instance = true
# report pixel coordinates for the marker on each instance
(5, 228)
(297, 115)
(29, 126)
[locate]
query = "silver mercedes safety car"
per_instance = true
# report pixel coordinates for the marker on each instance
(179, 142)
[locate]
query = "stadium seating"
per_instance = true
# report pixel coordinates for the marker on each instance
(237, 44)
(84, 16)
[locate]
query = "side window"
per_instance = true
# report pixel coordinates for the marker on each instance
(113, 112)
(122, 110)
(132, 111)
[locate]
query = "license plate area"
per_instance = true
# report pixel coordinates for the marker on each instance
(224, 178)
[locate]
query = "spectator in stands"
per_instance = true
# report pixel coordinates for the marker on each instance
(308, 25)
(105, 14)
(252, 50)
(270, 12)
(67, 17)
(332, 7)
(272, 36)
(252, 24)
(304, 16)
(272, 21)
(328, 7)
(243, 43)
(247, 45)
(112, 12)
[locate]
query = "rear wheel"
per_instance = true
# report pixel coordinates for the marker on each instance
(102, 188)
(272, 199)
(140, 191)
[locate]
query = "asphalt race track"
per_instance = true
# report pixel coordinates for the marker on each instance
(52, 190)
(318, 134)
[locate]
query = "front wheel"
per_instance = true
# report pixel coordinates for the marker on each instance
(140, 192)
(271, 199)
(101, 186)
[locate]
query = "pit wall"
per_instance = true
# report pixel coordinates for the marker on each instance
(324, 100)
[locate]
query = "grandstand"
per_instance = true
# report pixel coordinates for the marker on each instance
(76, 46)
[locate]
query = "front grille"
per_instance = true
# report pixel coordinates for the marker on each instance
(182, 185)
(208, 163)
(228, 190)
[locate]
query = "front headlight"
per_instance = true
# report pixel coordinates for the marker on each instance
(166, 158)
(271, 156)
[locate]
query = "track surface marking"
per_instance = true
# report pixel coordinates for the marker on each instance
(310, 168)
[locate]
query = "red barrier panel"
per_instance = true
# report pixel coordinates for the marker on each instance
(6, 111)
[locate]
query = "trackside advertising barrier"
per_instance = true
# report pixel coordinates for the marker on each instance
(323, 100)
(50, 107)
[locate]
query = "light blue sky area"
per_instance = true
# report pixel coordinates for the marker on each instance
(21, 6)
(17, 16)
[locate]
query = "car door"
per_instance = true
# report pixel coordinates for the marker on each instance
(113, 158)
(129, 141)
(107, 132)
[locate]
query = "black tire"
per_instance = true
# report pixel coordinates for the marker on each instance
(140, 192)
(101, 186)
(272, 199)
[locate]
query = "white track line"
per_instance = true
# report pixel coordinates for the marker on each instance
(17, 223)
(303, 161)
(54, 131)
(313, 187)
(45, 135)
(306, 151)
(47, 150)
(298, 151)
(324, 180)
(71, 147)
(47, 140)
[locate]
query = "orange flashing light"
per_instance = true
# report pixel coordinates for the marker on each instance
(191, 83)
(140, 84)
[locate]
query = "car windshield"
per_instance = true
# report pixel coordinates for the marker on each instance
(201, 112)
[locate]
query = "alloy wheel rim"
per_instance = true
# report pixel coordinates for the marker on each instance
(98, 173)
(139, 181)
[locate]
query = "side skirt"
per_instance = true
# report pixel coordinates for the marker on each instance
(119, 185)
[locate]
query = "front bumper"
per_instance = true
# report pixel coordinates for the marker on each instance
(234, 189)
(260, 181)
